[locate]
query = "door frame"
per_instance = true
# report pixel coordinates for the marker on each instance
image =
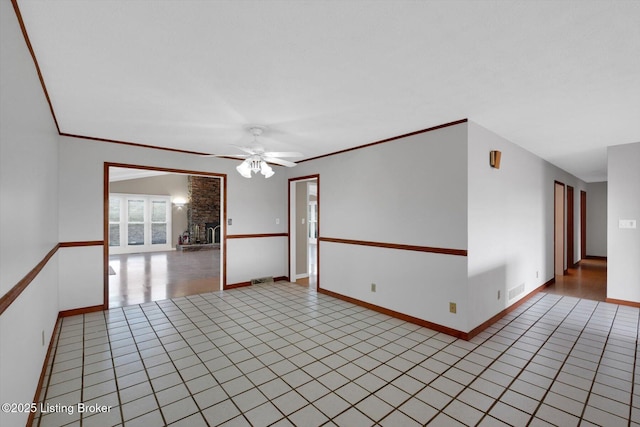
(291, 198)
(105, 218)
(570, 227)
(583, 224)
(559, 243)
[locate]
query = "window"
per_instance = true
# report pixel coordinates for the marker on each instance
(139, 223)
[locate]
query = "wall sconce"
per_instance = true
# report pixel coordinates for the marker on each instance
(179, 202)
(494, 158)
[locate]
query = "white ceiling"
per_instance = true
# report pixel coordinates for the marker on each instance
(559, 78)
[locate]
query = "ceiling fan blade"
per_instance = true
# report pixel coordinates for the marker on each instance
(279, 161)
(282, 154)
(236, 156)
(245, 149)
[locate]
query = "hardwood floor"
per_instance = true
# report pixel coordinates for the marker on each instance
(588, 281)
(155, 276)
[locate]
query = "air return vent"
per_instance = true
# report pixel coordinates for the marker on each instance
(261, 280)
(514, 292)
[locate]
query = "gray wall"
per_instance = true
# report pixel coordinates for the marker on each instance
(174, 185)
(411, 191)
(511, 222)
(597, 219)
(28, 218)
(623, 266)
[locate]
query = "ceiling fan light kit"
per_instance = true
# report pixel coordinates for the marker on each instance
(255, 164)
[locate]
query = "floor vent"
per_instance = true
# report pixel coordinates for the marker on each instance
(514, 292)
(261, 280)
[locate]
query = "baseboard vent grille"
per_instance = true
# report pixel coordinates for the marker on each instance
(514, 292)
(261, 280)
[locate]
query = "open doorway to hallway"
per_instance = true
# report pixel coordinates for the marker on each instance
(165, 233)
(588, 277)
(304, 230)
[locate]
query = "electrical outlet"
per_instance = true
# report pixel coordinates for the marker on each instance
(277, 221)
(498, 293)
(373, 287)
(229, 221)
(452, 307)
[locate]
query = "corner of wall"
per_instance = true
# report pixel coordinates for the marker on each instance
(623, 244)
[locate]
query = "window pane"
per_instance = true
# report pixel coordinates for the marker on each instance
(114, 234)
(136, 234)
(114, 210)
(158, 211)
(158, 234)
(136, 210)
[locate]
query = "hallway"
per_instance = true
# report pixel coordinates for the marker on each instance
(588, 280)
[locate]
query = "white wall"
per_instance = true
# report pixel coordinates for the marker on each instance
(623, 266)
(253, 205)
(256, 258)
(409, 191)
(597, 219)
(510, 222)
(28, 218)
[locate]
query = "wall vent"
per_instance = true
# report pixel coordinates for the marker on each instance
(261, 280)
(514, 292)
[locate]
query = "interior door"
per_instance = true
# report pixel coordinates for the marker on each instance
(583, 224)
(558, 229)
(570, 229)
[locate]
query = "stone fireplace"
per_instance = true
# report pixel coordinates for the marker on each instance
(203, 214)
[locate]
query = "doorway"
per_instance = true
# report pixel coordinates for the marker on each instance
(304, 226)
(152, 253)
(583, 224)
(570, 228)
(588, 278)
(558, 229)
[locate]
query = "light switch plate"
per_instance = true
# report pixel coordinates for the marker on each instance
(627, 223)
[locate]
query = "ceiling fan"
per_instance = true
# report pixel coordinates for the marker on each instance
(256, 158)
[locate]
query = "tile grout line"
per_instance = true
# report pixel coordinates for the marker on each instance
(384, 363)
(477, 376)
(229, 397)
(564, 362)
(347, 306)
(486, 368)
(84, 325)
(113, 363)
(411, 396)
(301, 351)
(155, 396)
(633, 373)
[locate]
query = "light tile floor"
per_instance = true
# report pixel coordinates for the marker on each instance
(279, 354)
